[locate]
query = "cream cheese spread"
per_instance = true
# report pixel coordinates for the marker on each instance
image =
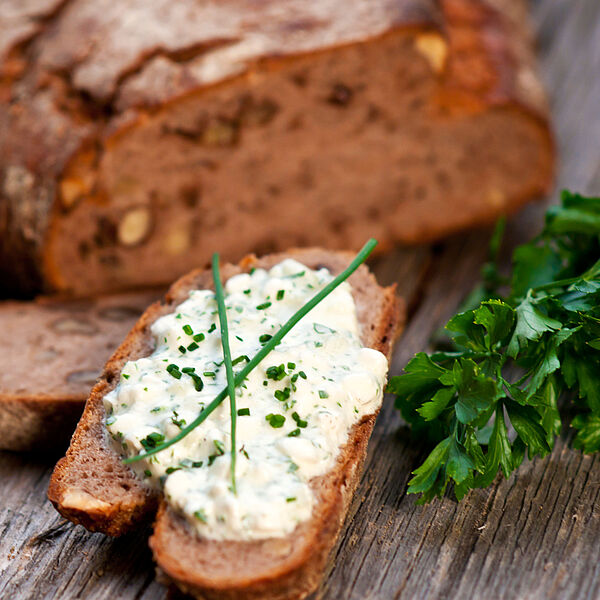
(295, 409)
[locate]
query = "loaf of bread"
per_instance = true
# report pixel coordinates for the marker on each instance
(52, 353)
(136, 136)
(93, 487)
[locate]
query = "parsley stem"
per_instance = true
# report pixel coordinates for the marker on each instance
(264, 351)
(220, 295)
(445, 356)
(555, 284)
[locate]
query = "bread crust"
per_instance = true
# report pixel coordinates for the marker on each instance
(111, 499)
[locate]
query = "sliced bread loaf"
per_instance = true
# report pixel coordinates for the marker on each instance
(134, 130)
(53, 351)
(93, 487)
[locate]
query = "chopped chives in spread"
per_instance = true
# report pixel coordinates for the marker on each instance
(300, 422)
(280, 294)
(187, 329)
(176, 420)
(275, 420)
(282, 395)
(173, 370)
(198, 337)
(239, 359)
(263, 305)
(200, 515)
(276, 373)
(323, 394)
(243, 412)
(152, 440)
(198, 383)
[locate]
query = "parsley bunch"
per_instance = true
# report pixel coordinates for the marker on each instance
(512, 358)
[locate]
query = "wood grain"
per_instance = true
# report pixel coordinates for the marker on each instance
(533, 536)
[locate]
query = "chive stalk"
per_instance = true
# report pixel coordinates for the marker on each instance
(220, 295)
(263, 352)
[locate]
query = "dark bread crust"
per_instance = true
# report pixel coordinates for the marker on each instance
(451, 114)
(111, 498)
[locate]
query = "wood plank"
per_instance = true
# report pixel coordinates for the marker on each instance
(533, 536)
(39, 561)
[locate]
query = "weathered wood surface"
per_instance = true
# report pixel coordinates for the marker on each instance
(536, 535)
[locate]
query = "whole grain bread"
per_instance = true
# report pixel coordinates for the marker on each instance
(91, 485)
(130, 131)
(53, 351)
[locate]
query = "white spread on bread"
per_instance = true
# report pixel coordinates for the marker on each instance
(302, 401)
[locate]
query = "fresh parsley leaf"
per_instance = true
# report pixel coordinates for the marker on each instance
(546, 329)
(588, 432)
(531, 325)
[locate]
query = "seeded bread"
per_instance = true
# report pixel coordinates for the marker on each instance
(53, 350)
(136, 136)
(91, 485)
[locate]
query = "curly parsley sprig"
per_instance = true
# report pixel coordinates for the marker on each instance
(547, 329)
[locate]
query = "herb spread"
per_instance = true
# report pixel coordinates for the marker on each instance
(294, 411)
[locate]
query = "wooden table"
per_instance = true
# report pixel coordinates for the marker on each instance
(536, 535)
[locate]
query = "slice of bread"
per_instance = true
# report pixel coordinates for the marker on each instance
(53, 352)
(92, 486)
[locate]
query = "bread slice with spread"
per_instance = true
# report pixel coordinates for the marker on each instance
(260, 542)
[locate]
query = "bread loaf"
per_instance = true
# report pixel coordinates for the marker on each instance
(136, 136)
(53, 351)
(93, 487)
